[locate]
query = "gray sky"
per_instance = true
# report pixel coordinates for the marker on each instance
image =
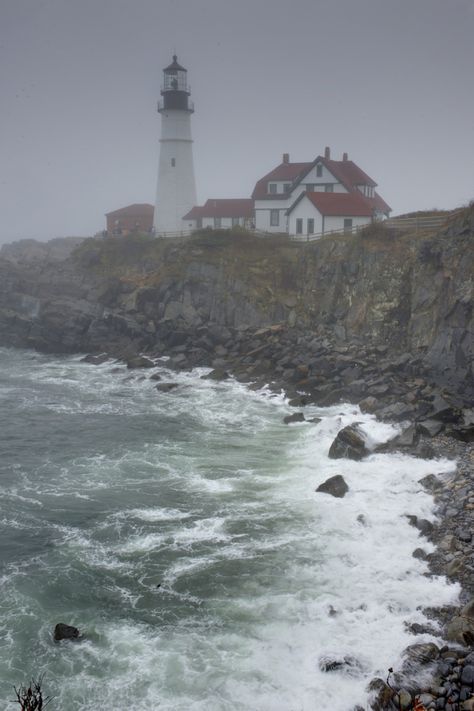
(388, 81)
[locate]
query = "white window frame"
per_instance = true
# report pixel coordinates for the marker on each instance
(272, 188)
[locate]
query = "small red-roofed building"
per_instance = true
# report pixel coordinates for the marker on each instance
(133, 218)
(278, 191)
(221, 213)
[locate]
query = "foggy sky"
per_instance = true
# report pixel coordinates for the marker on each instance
(388, 81)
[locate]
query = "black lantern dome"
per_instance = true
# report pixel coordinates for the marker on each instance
(175, 90)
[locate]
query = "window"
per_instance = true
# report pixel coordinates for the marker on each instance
(272, 188)
(329, 188)
(310, 225)
(310, 187)
(319, 170)
(235, 222)
(348, 224)
(217, 222)
(299, 225)
(274, 218)
(173, 162)
(286, 187)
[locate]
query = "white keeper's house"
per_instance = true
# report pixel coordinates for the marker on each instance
(314, 198)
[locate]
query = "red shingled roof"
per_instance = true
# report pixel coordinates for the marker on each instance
(338, 204)
(379, 204)
(348, 173)
(285, 171)
(135, 209)
(234, 207)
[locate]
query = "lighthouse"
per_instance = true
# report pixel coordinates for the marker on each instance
(176, 190)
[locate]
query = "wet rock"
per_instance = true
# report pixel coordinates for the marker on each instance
(417, 655)
(349, 444)
(461, 627)
(95, 359)
(63, 631)
(379, 695)
(140, 362)
(349, 665)
(398, 411)
(295, 417)
(335, 486)
(443, 411)
(155, 376)
(217, 374)
(430, 482)
(166, 387)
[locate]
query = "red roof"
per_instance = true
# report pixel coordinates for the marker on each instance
(286, 172)
(348, 173)
(234, 207)
(379, 204)
(339, 204)
(135, 209)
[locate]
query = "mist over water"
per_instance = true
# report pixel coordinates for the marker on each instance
(181, 533)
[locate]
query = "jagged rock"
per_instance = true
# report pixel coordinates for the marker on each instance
(369, 404)
(430, 482)
(417, 655)
(140, 362)
(95, 359)
(166, 387)
(295, 417)
(380, 695)
(348, 664)
(63, 631)
(398, 411)
(217, 374)
(430, 428)
(349, 444)
(335, 485)
(407, 439)
(461, 627)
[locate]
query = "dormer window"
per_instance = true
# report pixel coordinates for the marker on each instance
(272, 188)
(319, 170)
(286, 187)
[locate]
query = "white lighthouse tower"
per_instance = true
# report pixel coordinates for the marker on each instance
(176, 191)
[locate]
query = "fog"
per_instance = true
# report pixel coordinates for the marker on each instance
(388, 81)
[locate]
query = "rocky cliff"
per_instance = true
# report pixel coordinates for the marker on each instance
(409, 292)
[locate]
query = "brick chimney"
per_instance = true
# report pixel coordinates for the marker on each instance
(286, 157)
(327, 152)
(345, 157)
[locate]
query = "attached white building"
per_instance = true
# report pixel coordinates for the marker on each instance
(220, 213)
(276, 192)
(320, 213)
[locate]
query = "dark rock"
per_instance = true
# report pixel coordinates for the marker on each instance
(461, 627)
(369, 404)
(217, 374)
(430, 482)
(155, 376)
(63, 631)
(430, 428)
(398, 411)
(420, 554)
(140, 362)
(95, 359)
(442, 410)
(349, 444)
(422, 524)
(295, 417)
(380, 695)
(467, 675)
(166, 387)
(349, 665)
(335, 485)
(417, 655)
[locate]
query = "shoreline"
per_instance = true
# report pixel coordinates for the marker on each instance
(432, 427)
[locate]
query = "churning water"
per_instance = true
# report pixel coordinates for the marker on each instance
(182, 534)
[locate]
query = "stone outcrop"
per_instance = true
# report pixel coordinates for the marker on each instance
(409, 296)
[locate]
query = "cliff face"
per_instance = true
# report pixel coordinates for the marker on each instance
(408, 292)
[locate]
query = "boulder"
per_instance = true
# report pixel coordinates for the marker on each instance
(398, 411)
(63, 631)
(380, 695)
(216, 374)
(295, 417)
(95, 359)
(369, 404)
(166, 387)
(349, 665)
(349, 444)
(140, 362)
(419, 655)
(430, 428)
(335, 485)
(443, 411)
(461, 627)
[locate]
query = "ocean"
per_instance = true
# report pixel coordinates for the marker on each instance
(182, 534)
